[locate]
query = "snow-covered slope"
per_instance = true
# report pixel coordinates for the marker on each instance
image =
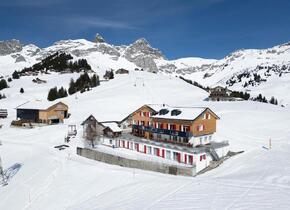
(264, 71)
(46, 178)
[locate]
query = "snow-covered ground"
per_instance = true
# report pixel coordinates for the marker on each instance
(46, 178)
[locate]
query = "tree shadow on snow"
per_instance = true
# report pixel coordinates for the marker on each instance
(10, 172)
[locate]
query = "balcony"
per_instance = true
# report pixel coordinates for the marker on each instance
(163, 131)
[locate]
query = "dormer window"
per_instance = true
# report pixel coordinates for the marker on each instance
(163, 111)
(175, 112)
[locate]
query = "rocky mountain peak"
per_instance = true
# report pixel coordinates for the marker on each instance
(142, 46)
(10, 46)
(99, 38)
(141, 41)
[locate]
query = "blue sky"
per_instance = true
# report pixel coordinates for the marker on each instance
(179, 28)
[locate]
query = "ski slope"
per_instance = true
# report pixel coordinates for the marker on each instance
(46, 178)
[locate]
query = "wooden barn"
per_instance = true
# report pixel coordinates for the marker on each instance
(42, 112)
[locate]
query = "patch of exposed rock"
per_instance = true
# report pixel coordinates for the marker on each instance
(10, 46)
(143, 55)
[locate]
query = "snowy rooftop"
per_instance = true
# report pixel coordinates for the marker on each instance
(113, 126)
(180, 113)
(37, 105)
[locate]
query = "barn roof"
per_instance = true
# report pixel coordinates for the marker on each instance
(37, 105)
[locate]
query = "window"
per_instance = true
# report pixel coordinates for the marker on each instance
(168, 154)
(206, 116)
(175, 155)
(172, 127)
(200, 127)
(158, 136)
(111, 141)
(156, 151)
(174, 138)
(149, 150)
(136, 147)
(157, 125)
(186, 128)
(209, 138)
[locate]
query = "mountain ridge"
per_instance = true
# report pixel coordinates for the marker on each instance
(237, 70)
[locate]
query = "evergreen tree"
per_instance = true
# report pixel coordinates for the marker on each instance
(3, 84)
(264, 100)
(15, 75)
(72, 88)
(52, 94)
(272, 100)
(21, 90)
(2, 96)
(95, 81)
(61, 93)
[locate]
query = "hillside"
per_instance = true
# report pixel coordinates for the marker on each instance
(264, 71)
(256, 179)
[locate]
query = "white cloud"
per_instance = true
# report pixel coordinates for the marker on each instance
(98, 22)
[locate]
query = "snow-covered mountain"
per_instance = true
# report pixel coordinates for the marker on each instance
(42, 177)
(263, 71)
(100, 54)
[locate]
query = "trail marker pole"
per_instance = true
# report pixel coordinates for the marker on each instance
(270, 144)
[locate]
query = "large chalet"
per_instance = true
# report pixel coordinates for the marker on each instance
(180, 125)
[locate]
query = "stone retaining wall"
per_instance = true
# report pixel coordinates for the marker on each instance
(140, 164)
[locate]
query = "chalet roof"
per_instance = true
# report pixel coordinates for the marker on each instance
(113, 126)
(90, 118)
(182, 113)
(37, 105)
(154, 107)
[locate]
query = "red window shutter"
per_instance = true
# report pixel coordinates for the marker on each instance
(158, 152)
(204, 157)
(185, 158)
(200, 158)
(190, 159)
(163, 153)
(178, 157)
(145, 149)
